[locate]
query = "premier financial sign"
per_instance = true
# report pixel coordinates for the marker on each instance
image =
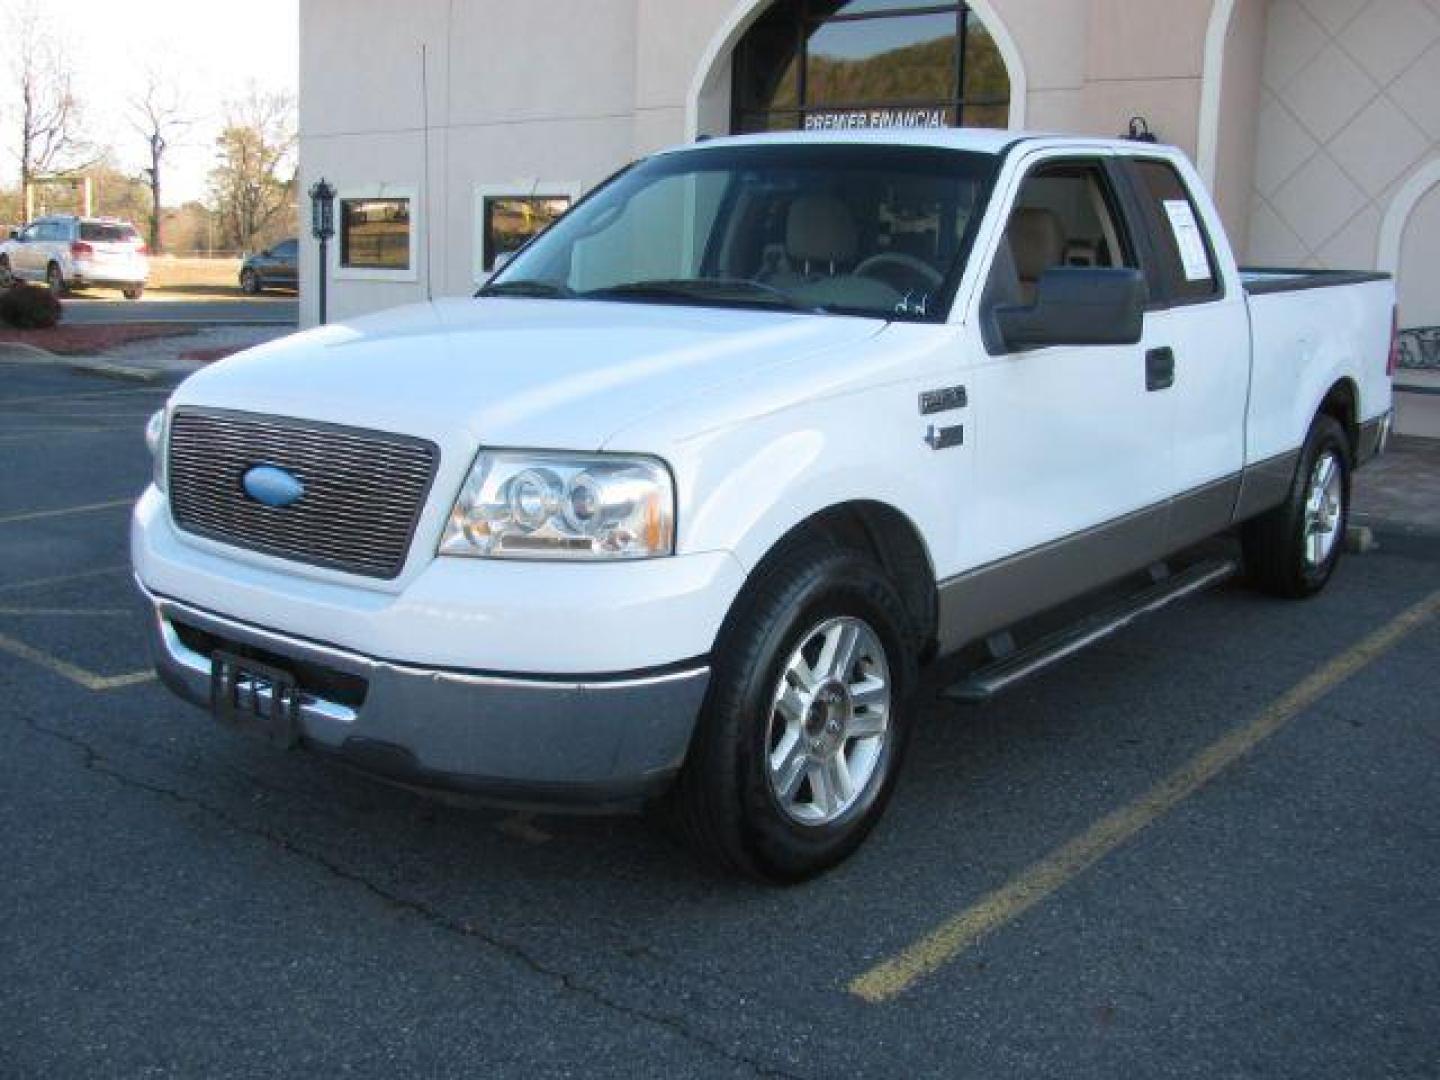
(877, 118)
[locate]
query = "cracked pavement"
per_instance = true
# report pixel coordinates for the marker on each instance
(178, 900)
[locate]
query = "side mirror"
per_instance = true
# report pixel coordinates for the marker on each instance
(1077, 305)
(267, 253)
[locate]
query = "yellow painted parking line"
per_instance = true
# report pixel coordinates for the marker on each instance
(37, 515)
(74, 672)
(894, 976)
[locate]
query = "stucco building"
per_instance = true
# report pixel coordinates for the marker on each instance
(452, 128)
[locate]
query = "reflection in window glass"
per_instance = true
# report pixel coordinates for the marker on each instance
(512, 220)
(866, 7)
(375, 234)
(820, 64)
(911, 58)
(986, 81)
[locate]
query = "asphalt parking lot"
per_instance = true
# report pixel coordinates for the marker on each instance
(1208, 847)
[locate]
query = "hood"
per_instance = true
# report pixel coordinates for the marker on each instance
(507, 372)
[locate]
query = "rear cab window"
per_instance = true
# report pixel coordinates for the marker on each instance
(1184, 268)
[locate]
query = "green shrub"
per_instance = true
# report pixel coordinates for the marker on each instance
(29, 307)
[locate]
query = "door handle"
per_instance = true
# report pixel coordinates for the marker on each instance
(1160, 368)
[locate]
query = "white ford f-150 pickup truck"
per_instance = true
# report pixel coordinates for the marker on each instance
(675, 509)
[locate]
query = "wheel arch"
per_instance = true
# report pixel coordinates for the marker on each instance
(887, 536)
(1342, 402)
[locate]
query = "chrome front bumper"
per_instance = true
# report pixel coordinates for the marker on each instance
(591, 740)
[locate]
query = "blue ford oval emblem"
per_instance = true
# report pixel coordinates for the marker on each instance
(272, 486)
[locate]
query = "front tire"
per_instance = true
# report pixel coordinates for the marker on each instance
(250, 283)
(55, 278)
(133, 292)
(1292, 550)
(806, 720)
(7, 278)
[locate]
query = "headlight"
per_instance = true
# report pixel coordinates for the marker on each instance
(533, 505)
(155, 440)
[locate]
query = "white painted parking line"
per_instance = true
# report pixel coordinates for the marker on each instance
(87, 613)
(37, 515)
(64, 579)
(86, 395)
(73, 672)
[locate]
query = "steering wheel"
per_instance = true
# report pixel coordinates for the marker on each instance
(903, 271)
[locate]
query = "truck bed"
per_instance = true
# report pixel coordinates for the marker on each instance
(1259, 280)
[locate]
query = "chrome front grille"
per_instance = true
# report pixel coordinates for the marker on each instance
(364, 490)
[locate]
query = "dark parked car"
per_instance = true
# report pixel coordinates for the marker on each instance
(276, 267)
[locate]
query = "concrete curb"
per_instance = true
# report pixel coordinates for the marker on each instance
(14, 352)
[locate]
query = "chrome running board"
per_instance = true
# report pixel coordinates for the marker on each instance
(984, 683)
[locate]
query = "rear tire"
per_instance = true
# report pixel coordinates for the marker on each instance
(7, 278)
(795, 756)
(250, 283)
(1292, 550)
(133, 292)
(55, 278)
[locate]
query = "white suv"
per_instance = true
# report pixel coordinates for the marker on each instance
(68, 252)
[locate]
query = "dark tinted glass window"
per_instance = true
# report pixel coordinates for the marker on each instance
(820, 64)
(1187, 264)
(103, 233)
(375, 234)
(512, 220)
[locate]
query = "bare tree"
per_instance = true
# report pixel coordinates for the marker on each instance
(253, 184)
(50, 138)
(158, 117)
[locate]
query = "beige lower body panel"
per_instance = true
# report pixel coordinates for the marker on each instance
(999, 594)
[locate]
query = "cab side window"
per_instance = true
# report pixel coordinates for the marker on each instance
(1064, 215)
(1186, 270)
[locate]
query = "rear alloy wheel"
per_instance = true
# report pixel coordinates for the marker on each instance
(804, 726)
(55, 278)
(1292, 550)
(249, 283)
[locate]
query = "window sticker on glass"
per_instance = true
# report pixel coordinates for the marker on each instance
(1188, 239)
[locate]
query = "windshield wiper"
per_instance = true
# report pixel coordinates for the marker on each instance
(530, 289)
(725, 291)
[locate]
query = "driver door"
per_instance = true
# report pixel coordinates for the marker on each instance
(1073, 444)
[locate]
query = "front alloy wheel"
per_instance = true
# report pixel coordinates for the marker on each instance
(830, 721)
(804, 725)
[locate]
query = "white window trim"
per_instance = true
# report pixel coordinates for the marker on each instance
(528, 188)
(339, 272)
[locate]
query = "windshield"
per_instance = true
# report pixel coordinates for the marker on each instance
(867, 230)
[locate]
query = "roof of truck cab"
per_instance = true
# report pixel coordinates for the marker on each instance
(980, 140)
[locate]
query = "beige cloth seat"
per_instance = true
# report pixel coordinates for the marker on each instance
(820, 237)
(1037, 242)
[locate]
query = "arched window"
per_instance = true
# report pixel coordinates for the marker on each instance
(814, 64)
